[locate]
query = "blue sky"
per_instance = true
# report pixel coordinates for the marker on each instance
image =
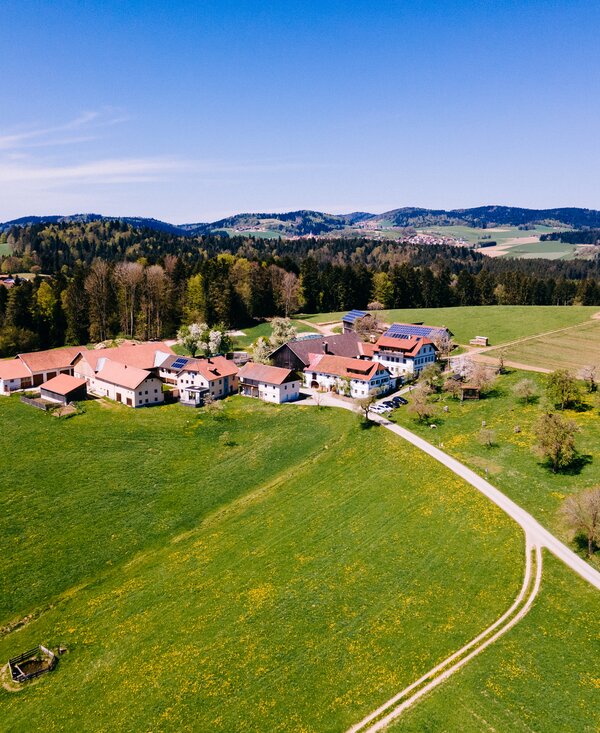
(190, 111)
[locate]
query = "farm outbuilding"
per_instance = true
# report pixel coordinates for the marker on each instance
(469, 392)
(64, 389)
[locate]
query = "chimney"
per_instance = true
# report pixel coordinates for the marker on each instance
(325, 347)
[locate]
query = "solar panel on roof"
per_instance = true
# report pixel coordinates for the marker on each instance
(352, 315)
(307, 336)
(179, 363)
(404, 331)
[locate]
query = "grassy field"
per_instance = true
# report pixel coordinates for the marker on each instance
(542, 676)
(571, 349)
(261, 568)
(252, 333)
(511, 464)
(499, 234)
(548, 250)
(4, 248)
(264, 330)
(500, 323)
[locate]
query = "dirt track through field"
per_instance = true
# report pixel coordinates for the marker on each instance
(536, 537)
(380, 718)
(483, 354)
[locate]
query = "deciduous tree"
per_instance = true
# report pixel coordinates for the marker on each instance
(562, 389)
(282, 331)
(581, 513)
(99, 290)
(261, 351)
(419, 405)
(556, 440)
(525, 390)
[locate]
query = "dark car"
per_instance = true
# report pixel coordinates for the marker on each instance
(399, 401)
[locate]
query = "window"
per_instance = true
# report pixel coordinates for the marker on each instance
(146, 392)
(155, 391)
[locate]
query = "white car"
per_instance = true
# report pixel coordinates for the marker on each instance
(379, 409)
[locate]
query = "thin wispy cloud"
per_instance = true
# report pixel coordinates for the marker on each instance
(84, 127)
(126, 170)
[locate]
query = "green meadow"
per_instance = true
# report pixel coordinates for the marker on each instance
(501, 323)
(249, 568)
(542, 676)
(572, 349)
(264, 330)
(496, 234)
(511, 462)
(550, 250)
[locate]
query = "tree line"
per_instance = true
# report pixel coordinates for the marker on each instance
(573, 236)
(97, 280)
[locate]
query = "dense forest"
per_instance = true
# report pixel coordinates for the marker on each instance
(95, 280)
(573, 236)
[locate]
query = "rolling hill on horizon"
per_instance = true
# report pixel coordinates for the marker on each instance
(306, 222)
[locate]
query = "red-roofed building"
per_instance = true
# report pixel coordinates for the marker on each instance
(214, 377)
(148, 355)
(14, 375)
(127, 384)
(45, 365)
(64, 389)
(269, 383)
(402, 356)
(354, 377)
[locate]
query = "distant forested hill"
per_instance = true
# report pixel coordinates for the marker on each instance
(316, 223)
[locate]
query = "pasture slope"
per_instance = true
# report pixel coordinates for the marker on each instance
(511, 463)
(250, 568)
(501, 323)
(572, 349)
(543, 676)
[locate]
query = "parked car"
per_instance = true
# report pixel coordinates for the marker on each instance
(399, 401)
(379, 409)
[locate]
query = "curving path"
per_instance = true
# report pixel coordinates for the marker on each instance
(538, 534)
(536, 538)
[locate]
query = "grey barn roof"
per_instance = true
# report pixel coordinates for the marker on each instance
(343, 344)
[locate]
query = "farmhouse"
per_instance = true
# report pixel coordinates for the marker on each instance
(296, 354)
(44, 365)
(268, 383)
(64, 389)
(354, 377)
(404, 355)
(213, 377)
(14, 375)
(148, 356)
(129, 385)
